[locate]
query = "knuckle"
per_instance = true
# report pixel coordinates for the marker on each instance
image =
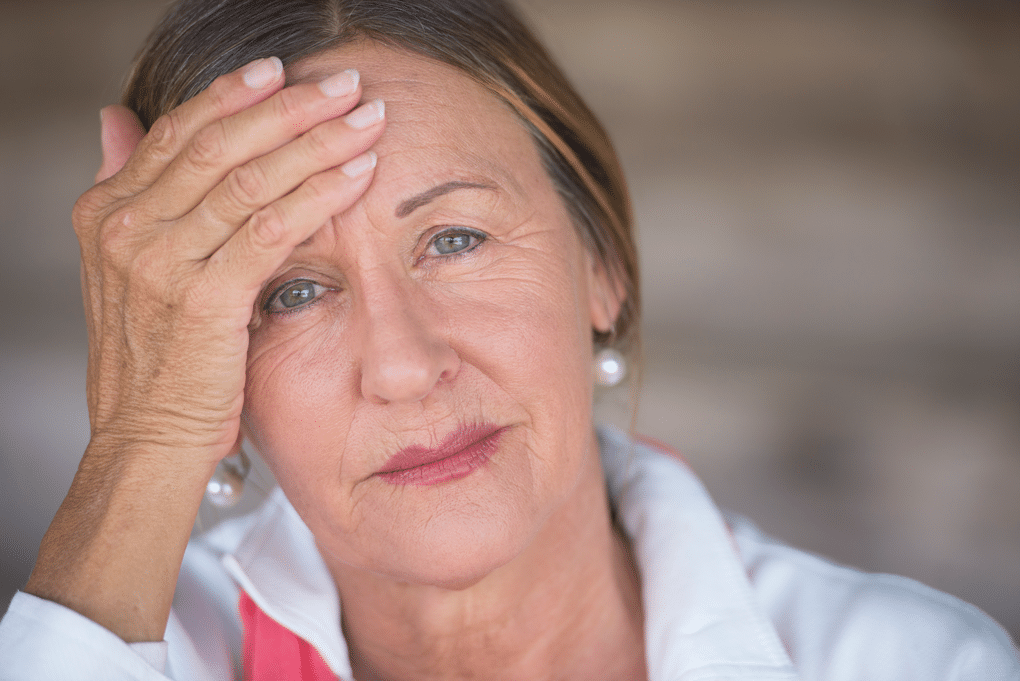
(87, 211)
(268, 228)
(115, 233)
(141, 268)
(147, 271)
(208, 146)
(319, 144)
(163, 135)
(288, 106)
(246, 186)
(218, 96)
(320, 188)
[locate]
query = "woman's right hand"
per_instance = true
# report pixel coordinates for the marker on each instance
(185, 225)
(177, 245)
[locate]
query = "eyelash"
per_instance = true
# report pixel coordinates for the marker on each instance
(319, 289)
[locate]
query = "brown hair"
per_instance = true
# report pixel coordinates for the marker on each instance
(199, 40)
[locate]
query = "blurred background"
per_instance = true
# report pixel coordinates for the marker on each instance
(828, 199)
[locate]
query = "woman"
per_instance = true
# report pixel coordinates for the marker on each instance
(383, 241)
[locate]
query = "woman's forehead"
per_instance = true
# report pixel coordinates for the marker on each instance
(441, 125)
(397, 75)
(436, 116)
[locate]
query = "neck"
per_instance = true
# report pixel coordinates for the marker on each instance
(567, 607)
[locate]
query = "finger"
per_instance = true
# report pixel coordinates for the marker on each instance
(121, 133)
(268, 178)
(227, 143)
(255, 252)
(170, 134)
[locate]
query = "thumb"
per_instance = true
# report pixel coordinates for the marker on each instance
(121, 133)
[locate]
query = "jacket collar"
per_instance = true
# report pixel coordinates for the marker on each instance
(701, 618)
(278, 565)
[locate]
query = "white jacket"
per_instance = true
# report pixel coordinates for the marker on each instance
(722, 601)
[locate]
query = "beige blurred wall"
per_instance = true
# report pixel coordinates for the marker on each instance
(827, 197)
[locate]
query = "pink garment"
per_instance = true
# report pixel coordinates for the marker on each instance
(274, 653)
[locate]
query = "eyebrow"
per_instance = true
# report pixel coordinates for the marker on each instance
(415, 202)
(429, 195)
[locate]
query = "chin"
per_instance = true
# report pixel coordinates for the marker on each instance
(454, 551)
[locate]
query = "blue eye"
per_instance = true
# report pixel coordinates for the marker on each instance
(456, 241)
(294, 294)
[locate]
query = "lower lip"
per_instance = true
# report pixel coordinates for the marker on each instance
(453, 467)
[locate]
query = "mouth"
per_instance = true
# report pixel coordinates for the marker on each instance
(461, 452)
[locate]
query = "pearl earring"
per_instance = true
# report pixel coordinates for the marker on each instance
(227, 482)
(609, 368)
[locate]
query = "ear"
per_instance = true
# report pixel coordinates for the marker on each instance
(605, 296)
(121, 133)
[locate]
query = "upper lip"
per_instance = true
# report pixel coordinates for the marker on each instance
(419, 455)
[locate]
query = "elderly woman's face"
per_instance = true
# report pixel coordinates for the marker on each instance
(419, 381)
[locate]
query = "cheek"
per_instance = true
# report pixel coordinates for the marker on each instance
(532, 338)
(529, 332)
(292, 374)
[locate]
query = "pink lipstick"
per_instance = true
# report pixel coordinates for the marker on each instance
(460, 453)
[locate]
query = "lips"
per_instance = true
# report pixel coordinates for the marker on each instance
(460, 453)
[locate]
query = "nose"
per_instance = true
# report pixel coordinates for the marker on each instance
(403, 353)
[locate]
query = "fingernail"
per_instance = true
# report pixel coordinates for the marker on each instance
(366, 115)
(341, 84)
(360, 165)
(263, 72)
